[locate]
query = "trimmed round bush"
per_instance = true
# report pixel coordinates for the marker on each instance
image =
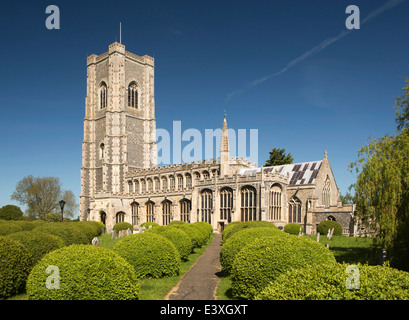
(239, 240)
(195, 235)
(178, 237)
(244, 225)
(85, 273)
(293, 228)
(69, 233)
(25, 225)
(15, 265)
(228, 226)
(203, 231)
(96, 226)
(147, 224)
(207, 226)
(328, 282)
(263, 260)
(87, 230)
(8, 228)
(122, 226)
(176, 222)
(38, 243)
(324, 226)
(151, 255)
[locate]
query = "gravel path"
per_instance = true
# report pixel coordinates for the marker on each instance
(200, 282)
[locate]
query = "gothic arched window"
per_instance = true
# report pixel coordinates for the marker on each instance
(185, 206)
(135, 213)
(166, 212)
(249, 204)
(226, 204)
(275, 203)
(133, 95)
(188, 180)
(103, 95)
(294, 210)
(120, 217)
(180, 182)
(150, 211)
(206, 205)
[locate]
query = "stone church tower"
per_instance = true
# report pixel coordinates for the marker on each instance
(119, 123)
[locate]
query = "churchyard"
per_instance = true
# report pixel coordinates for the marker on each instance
(258, 261)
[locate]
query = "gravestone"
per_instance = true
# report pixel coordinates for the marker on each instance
(114, 234)
(95, 242)
(318, 237)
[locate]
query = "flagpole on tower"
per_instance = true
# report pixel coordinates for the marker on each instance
(120, 32)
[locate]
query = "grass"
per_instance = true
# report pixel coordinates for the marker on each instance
(345, 249)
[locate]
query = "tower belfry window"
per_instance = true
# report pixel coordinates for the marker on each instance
(103, 95)
(133, 95)
(101, 151)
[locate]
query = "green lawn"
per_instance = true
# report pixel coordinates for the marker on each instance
(345, 249)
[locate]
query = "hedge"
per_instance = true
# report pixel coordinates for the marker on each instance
(147, 224)
(176, 222)
(293, 228)
(38, 243)
(193, 232)
(67, 231)
(25, 225)
(178, 237)
(328, 282)
(151, 255)
(9, 227)
(324, 226)
(206, 225)
(97, 226)
(238, 241)
(244, 225)
(97, 274)
(203, 231)
(263, 260)
(15, 265)
(122, 226)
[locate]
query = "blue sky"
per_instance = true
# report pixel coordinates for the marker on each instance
(207, 56)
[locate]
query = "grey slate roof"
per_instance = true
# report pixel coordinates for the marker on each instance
(300, 173)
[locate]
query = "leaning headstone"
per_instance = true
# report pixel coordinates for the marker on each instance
(95, 242)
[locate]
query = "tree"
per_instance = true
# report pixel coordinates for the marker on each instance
(278, 157)
(41, 196)
(10, 212)
(402, 108)
(382, 187)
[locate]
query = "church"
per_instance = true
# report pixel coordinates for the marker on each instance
(121, 181)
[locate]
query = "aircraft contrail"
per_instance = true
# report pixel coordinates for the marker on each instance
(389, 5)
